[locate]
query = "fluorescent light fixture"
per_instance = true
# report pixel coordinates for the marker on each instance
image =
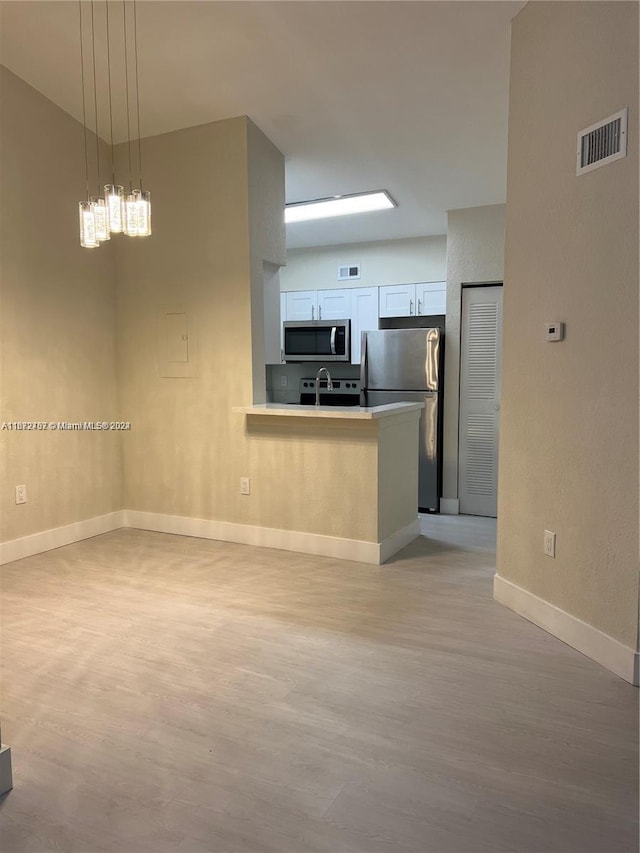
(339, 205)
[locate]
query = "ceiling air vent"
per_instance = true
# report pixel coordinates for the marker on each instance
(348, 272)
(602, 143)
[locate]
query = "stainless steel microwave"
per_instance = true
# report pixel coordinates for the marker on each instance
(317, 340)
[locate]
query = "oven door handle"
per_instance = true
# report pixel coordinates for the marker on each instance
(333, 339)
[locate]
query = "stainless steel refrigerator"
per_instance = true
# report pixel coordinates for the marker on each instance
(399, 365)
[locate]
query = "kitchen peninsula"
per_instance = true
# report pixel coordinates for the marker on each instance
(344, 479)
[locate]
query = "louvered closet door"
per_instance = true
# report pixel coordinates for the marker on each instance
(481, 360)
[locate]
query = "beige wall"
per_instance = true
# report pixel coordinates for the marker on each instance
(218, 194)
(267, 245)
(184, 455)
(217, 218)
(57, 331)
(384, 262)
(475, 253)
(569, 428)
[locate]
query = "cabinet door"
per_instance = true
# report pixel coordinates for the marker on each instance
(432, 298)
(334, 304)
(398, 300)
(301, 304)
(364, 317)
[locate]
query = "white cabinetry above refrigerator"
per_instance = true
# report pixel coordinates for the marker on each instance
(413, 300)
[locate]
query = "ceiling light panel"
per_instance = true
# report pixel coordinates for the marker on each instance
(342, 205)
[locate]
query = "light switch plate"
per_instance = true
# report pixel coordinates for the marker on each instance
(555, 331)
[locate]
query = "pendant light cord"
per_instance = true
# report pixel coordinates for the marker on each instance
(113, 168)
(95, 96)
(126, 83)
(84, 108)
(135, 42)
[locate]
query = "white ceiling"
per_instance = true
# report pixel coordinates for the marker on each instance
(410, 97)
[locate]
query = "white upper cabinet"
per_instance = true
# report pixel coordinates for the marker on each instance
(413, 300)
(398, 300)
(317, 304)
(365, 305)
(431, 298)
(358, 304)
(364, 317)
(301, 305)
(334, 304)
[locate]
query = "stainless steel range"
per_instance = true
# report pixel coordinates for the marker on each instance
(345, 392)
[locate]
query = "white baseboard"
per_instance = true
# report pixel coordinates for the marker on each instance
(449, 506)
(270, 537)
(6, 776)
(593, 643)
(398, 540)
(46, 540)
(225, 531)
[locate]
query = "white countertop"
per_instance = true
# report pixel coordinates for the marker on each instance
(362, 413)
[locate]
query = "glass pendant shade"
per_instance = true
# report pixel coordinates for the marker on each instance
(131, 213)
(88, 238)
(101, 217)
(113, 195)
(144, 213)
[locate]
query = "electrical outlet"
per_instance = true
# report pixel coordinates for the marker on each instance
(284, 381)
(245, 486)
(21, 494)
(549, 543)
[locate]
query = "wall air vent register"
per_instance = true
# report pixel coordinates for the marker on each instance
(602, 143)
(348, 272)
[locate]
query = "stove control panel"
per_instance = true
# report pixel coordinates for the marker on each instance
(340, 386)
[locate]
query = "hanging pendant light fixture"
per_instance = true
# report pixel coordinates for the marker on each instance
(98, 204)
(131, 199)
(115, 211)
(88, 238)
(144, 196)
(113, 193)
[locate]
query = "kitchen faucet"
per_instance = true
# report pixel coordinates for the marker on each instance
(329, 383)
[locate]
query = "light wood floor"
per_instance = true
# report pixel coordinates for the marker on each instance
(170, 694)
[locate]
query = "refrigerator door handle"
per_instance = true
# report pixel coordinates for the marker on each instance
(364, 366)
(333, 340)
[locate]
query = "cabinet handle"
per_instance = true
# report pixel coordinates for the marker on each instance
(313, 308)
(319, 312)
(411, 307)
(419, 306)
